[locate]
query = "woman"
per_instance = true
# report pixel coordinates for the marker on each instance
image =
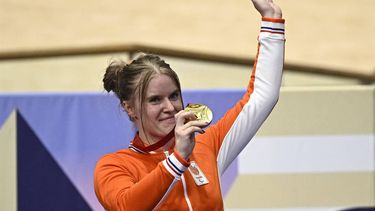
(174, 162)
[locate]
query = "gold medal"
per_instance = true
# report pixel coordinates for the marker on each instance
(202, 112)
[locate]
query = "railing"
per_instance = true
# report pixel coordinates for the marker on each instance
(133, 49)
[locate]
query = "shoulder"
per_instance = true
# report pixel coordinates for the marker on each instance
(114, 158)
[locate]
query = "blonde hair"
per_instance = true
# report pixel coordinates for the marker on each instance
(130, 80)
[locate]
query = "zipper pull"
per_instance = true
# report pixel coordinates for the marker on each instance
(166, 153)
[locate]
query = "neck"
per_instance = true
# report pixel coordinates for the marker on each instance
(148, 140)
(166, 146)
(161, 144)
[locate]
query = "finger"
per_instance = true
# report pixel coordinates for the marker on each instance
(184, 116)
(194, 123)
(194, 129)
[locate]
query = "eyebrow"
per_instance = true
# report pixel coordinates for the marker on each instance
(155, 95)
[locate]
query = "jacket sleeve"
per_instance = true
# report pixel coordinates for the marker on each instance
(237, 127)
(118, 186)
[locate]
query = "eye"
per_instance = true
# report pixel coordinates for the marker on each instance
(174, 96)
(154, 100)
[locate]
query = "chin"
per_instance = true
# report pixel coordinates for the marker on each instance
(168, 128)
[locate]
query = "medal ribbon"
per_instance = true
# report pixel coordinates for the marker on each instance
(138, 143)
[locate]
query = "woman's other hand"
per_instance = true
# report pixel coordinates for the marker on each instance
(267, 8)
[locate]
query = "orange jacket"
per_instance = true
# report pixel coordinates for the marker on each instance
(134, 179)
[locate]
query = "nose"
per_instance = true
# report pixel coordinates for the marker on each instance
(168, 106)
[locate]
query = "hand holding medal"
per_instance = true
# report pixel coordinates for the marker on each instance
(189, 121)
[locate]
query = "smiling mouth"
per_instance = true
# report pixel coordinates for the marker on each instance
(168, 118)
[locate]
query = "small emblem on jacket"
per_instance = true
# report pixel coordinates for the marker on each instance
(197, 174)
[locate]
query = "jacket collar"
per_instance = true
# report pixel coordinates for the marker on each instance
(138, 145)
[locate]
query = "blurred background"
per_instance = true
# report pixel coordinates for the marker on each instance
(316, 150)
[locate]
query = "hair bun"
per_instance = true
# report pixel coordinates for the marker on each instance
(110, 80)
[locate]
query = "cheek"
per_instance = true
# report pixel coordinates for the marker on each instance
(178, 105)
(152, 112)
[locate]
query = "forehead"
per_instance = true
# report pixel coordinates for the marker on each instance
(161, 84)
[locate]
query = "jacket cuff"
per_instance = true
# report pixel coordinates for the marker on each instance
(176, 166)
(272, 27)
(275, 20)
(181, 159)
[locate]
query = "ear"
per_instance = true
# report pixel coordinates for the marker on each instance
(129, 109)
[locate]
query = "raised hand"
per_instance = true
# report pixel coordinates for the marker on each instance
(267, 8)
